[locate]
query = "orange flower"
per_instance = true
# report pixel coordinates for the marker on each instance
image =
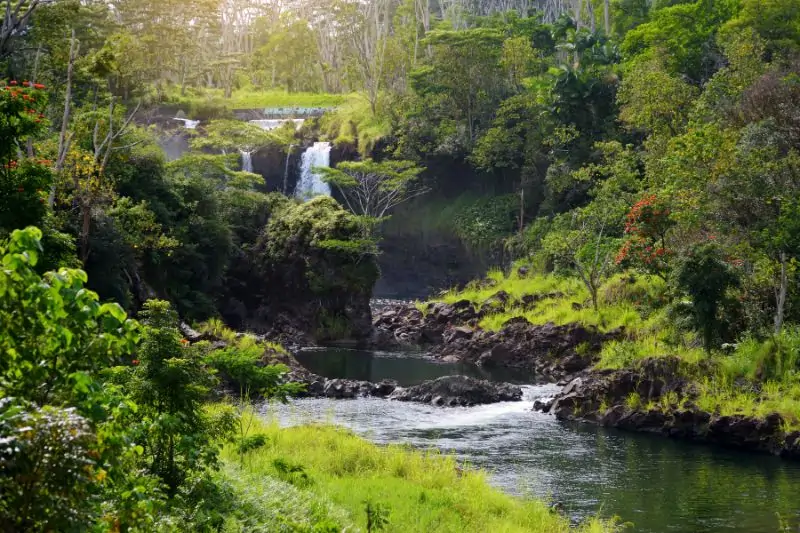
(184, 342)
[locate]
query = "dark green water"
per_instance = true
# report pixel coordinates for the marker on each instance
(408, 369)
(659, 484)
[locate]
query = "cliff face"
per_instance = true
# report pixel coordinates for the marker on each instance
(308, 272)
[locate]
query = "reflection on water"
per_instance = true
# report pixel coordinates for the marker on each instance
(411, 368)
(659, 484)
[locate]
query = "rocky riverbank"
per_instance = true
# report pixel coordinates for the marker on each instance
(448, 391)
(550, 352)
(656, 397)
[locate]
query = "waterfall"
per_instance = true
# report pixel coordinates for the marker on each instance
(271, 124)
(247, 160)
(188, 124)
(310, 184)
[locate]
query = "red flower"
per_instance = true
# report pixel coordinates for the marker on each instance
(135, 362)
(38, 86)
(26, 83)
(20, 189)
(12, 82)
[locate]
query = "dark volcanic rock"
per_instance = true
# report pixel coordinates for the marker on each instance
(550, 351)
(404, 324)
(589, 396)
(459, 391)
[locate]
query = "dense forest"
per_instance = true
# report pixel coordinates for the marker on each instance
(633, 164)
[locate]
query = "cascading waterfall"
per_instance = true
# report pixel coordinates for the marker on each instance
(247, 160)
(310, 183)
(271, 124)
(188, 124)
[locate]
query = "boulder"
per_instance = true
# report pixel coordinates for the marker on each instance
(458, 391)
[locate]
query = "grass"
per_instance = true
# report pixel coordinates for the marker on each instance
(625, 301)
(339, 472)
(254, 99)
(354, 123)
(265, 503)
(758, 377)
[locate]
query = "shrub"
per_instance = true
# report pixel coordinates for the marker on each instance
(706, 278)
(47, 471)
(241, 366)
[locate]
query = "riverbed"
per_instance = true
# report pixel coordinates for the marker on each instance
(658, 484)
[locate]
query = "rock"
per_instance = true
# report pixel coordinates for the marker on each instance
(547, 350)
(458, 391)
(406, 325)
(566, 407)
(584, 397)
(192, 335)
(791, 447)
(543, 405)
(457, 333)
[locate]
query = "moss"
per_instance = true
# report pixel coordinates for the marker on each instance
(313, 254)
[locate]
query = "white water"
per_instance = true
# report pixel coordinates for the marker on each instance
(247, 160)
(188, 124)
(310, 183)
(271, 124)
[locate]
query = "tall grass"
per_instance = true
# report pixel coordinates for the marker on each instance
(422, 491)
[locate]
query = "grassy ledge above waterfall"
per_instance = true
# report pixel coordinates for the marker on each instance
(754, 377)
(347, 483)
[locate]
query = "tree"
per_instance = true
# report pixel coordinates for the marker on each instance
(653, 99)
(372, 189)
(169, 382)
(706, 278)
(583, 244)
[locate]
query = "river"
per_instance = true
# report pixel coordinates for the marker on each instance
(658, 484)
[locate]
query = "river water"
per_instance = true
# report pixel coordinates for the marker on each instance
(658, 484)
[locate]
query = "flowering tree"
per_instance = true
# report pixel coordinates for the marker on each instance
(646, 227)
(24, 180)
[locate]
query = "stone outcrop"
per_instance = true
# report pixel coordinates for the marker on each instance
(463, 391)
(665, 404)
(446, 391)
(549, 351)
(404, 324)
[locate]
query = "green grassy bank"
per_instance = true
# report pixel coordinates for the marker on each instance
(756, 377)
(323, 478)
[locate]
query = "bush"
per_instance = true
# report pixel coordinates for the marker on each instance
(242, 367)
(47, 471)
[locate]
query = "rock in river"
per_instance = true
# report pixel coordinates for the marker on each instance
(454, 391)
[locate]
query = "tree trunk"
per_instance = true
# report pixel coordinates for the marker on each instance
(63, 141)
(607, 16)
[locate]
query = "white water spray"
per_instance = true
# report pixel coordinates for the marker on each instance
(271, 124)
(188, 124)
(247, 160)
(310, 183)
